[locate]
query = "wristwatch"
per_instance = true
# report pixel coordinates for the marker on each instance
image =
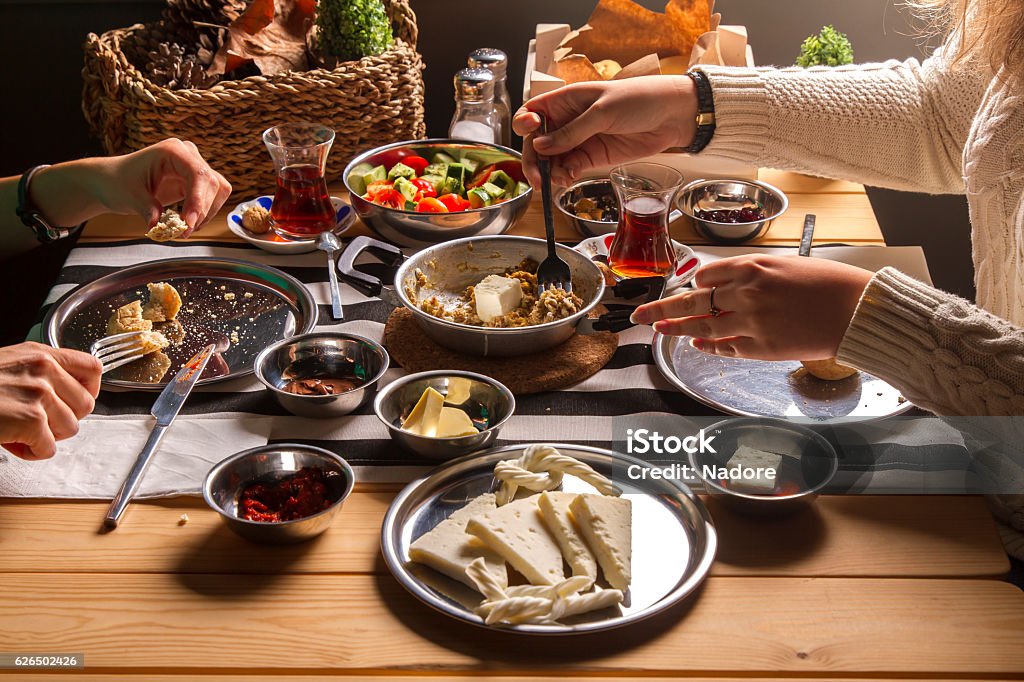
(705, 111)
(30, 215)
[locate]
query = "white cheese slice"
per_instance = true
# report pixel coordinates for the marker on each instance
(607, 525)
(554, 509)
(425, 414)
(496, 296)
(448, 549)
(453, 423)
(758, 463)
(517, 533)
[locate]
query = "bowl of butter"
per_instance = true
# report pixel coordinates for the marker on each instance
(444, 414)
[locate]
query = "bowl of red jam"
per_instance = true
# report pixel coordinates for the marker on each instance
(279, 494)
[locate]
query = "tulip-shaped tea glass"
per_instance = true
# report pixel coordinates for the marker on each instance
(302, 206)
(642, 246)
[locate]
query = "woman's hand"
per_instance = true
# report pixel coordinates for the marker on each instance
(44, 391)
(771, 307)
(146, 181)
(603, 123)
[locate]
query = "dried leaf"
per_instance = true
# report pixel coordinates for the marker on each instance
(270, 33)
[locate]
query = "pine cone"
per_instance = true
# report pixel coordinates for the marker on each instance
(172, 68)
(219, 12)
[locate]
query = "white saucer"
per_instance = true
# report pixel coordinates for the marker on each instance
(345, 216)
(687, 262)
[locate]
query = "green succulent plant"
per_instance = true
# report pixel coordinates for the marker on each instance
(828, 48)
(352, 29)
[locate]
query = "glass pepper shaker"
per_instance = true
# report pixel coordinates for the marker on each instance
(496, 62)
(474, 117)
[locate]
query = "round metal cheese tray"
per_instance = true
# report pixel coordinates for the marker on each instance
(755, 388)
(239, 306)
(674, 540)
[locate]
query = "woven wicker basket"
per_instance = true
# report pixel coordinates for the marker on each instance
(369, 102)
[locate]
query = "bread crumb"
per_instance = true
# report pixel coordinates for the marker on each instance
(229, 296)
(183, 519)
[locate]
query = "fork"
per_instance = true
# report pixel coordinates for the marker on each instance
(554, 272)
(119, 349)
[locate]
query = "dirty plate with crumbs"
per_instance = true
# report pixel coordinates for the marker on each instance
(239, 307)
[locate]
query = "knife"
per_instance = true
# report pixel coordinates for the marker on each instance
(808, 235)
(165, 409)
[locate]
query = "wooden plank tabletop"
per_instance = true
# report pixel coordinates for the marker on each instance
(854, 588)
(843, 210)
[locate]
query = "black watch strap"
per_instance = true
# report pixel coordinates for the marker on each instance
(705, 112)
(31, 217)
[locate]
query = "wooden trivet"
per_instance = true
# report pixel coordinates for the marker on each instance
(572, 362)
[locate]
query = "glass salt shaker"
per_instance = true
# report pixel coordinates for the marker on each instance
(474, 117)
(496, 62)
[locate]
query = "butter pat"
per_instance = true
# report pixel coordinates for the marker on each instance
(449, 550)
(759, 463)
(517, 533)
(607, 525)
(425, 416)
(554, 509)
(453, 423)
(496, 296)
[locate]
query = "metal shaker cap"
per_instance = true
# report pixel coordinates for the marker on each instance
(474, 85)
(489, 58)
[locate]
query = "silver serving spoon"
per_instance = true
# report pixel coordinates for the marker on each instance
(329, 244)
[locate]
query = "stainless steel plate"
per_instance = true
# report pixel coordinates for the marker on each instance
(754, 388)
(240, 306)
(674, 541)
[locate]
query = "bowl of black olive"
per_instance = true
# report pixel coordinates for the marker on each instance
(731, 211)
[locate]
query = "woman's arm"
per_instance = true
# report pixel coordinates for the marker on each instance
(142, 183)
(899, 124)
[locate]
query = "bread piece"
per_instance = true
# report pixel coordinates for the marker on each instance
(164, 302)
(607, 524)
(828, 369)
(449, 550)
(128, 318)
(554, 509)
(170, 226)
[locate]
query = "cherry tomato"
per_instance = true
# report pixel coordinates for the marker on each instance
(453, 202)
(431, 205)
(378, 187)
(426, 188)
(417, 163)
(391, 198)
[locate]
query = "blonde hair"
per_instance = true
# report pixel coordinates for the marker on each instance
(991, 30)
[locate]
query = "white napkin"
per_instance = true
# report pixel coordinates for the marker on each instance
(94, 463)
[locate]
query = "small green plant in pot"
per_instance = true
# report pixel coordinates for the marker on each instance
(828, 48)
(351, 29)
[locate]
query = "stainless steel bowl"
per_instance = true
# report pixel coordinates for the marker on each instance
(266, 464)
(408, 228)
(599, 187)
(728, 195)
(455, 265)
(809, 462)
(320, 355)
(489, 404)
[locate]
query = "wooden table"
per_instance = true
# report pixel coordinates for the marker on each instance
(891, 587)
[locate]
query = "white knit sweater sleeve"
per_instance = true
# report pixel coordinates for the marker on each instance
(945, 354)
(899, 124)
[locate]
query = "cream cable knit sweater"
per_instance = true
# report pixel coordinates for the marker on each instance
(913, 126)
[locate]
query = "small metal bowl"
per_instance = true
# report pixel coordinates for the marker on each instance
(728, 195)
(322, 355)
(489, 403)
(267, 464)
(809, 463)
(409, 228)
(592, 189)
